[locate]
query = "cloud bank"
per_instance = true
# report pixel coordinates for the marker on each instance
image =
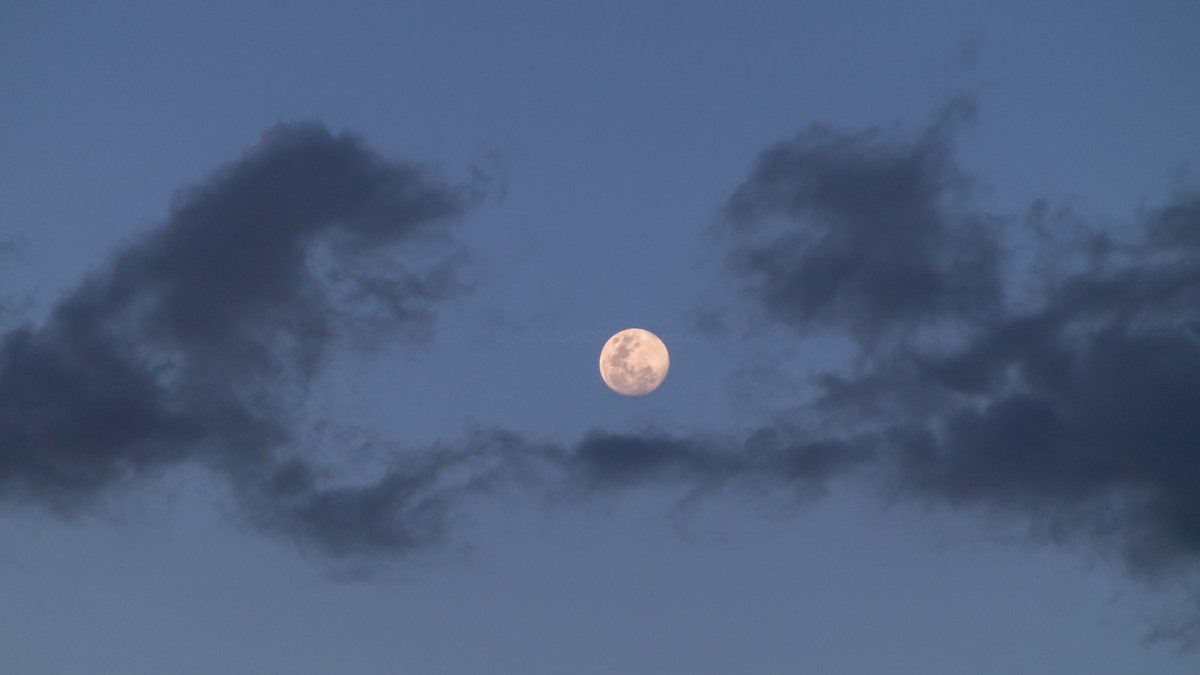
(193, 341)
(1026, 365)
(1073, 404)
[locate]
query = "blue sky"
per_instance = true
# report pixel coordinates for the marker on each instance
(611, 137)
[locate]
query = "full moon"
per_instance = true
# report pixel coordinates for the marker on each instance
(634, 362)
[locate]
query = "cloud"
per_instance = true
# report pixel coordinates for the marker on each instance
(1072, 406)
(864, 231)
(1080, 411)
(406, 508)
(195, 342)
(768, 459)
(1061, 390)
(412, 502)
(190, 343)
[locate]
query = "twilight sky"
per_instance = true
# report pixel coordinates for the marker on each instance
(300, 308)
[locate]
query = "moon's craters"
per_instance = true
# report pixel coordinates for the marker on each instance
(634, 362)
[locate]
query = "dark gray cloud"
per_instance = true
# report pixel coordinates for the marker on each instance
(1080, 412)
(1067, 399)
(1072, 406)
(407, 507)
(195, 343)
(864, 231)
(192, 341)
(412, 502)
(1175, 227)
(772, 458)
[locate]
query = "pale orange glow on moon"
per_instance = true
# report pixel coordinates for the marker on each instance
(634, 362)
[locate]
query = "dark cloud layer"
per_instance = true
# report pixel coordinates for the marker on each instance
(1073, 407)
(769, 459)
(864, 232)
(196, 341)
(190, 343)
(1080, 412)
(1067, 398)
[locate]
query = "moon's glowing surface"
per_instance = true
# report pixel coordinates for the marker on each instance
(634, 362)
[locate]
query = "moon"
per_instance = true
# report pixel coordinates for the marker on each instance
(634, 362)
